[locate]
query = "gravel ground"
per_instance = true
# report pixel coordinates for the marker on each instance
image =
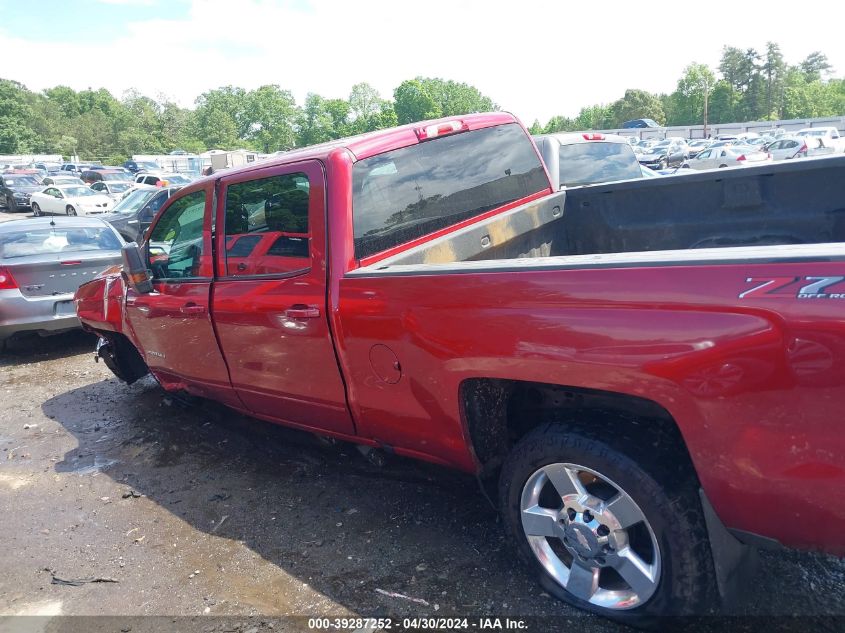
(197, 511)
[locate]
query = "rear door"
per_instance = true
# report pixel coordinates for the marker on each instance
(270, 296)
(172, 325)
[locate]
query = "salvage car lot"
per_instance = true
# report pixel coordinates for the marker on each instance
(98, 480)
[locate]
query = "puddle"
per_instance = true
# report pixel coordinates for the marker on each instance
(100, 463)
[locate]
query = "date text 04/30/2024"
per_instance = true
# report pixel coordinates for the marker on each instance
(433, 624)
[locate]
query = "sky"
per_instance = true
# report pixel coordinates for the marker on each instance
(535, 58)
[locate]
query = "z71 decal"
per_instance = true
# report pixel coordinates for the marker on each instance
(809, 288)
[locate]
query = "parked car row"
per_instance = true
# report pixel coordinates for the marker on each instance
(76, 189)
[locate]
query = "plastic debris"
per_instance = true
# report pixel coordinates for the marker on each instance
(78, 582)
(393, 594)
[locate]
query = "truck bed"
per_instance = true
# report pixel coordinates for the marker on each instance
(791, 203)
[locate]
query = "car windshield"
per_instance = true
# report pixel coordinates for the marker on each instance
(64, 239)
(20, 181)
(134, 201)
(78, 192)
(592, 162)
(114, 176)
(119, 187)
(176, 179)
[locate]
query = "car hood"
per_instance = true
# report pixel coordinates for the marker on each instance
(651, 156)
(89, 201)
(27, 189)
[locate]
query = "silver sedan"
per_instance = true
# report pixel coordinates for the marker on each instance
(42, 263)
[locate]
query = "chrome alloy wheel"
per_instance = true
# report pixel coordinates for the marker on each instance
(590, 536)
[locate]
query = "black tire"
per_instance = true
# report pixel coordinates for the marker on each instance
(69, 210)
(687, 581)
(722, 166)
(11, 205)
(36, 210)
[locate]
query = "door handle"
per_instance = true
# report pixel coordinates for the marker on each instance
(300, 311)
(192, 308)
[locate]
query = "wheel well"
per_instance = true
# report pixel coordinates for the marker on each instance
(500, 412)
(122, 357)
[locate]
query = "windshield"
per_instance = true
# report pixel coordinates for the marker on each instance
(116, 176)
(177, 179)
(119, 187)
(134, 201)
(20, 181)
(78, 192)
(58, 239)
(591, 162)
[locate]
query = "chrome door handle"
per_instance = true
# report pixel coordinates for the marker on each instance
(302, 312)
(192, 308)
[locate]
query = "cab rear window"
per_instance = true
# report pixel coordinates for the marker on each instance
(401, 195)
(594, 162)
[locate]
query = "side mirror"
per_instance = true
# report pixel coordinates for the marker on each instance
(135, 268)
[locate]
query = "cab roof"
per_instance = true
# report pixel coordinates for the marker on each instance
(371, 143)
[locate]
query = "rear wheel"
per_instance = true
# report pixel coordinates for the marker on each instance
(36, 210)
(602, 532)
(11, 205)
(70, 210)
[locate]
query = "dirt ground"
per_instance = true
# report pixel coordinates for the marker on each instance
(197, 511)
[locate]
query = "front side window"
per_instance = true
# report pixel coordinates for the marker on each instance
(175, 245)
(267, 226)
(410, 192)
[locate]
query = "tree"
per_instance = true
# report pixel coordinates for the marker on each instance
(559, 124)
(815, 66)
(773, 68)
(430, 98)
(636, 104)
(413, 102)
(316, 123)
(271, 114)
(364, 101)
(692, 94)
(723, 103)
(16, 135)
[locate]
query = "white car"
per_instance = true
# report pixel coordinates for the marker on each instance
(70, 200)
(788, 147)
(114, 189)
(150, 178)
(62, 180)
(733, 156)
(824, 137)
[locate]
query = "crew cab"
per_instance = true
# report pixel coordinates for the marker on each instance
(648, 372)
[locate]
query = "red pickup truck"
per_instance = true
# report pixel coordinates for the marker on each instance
(650, 370)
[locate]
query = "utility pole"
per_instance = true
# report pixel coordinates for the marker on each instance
(706, 95)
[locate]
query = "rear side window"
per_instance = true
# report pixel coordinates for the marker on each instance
(401, 195)
(267, 226)
(594, 162)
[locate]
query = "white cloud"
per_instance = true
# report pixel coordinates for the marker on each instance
(536, 59)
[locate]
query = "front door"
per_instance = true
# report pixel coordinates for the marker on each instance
(269, 301)
(172, 325)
